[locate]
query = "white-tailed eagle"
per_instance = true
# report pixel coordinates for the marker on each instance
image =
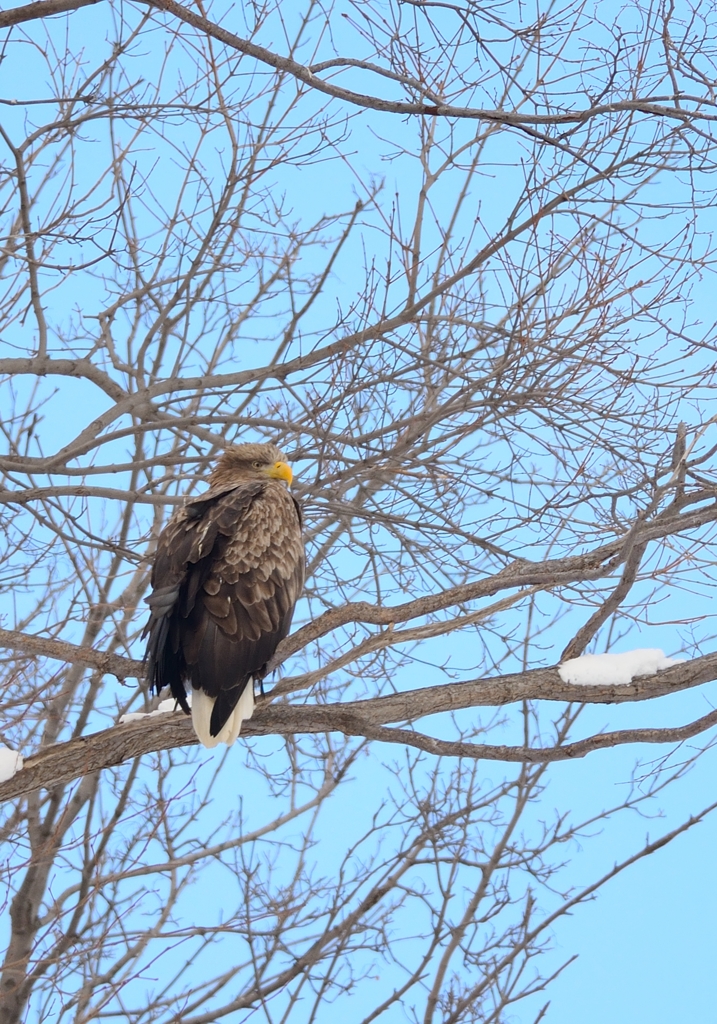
(227, 574)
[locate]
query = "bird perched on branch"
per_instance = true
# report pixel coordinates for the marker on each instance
(228, 571)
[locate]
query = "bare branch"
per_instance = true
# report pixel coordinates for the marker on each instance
(40, 9)
(64, 762)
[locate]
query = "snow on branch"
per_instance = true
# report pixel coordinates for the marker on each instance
(614, 669)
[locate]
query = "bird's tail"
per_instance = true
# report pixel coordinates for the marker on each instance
(202, 707)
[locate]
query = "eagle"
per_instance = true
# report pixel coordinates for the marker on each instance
(228, 571)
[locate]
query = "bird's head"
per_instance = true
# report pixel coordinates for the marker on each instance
(245, 462)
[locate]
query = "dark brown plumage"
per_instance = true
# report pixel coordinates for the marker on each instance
(228, 571)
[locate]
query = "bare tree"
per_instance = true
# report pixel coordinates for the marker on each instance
(451, 258)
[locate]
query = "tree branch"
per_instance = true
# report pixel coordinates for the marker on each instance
(650, 107)
(64, 762)
(103, 661)
(84, 368)
(585, 634)
(41, 9)
(592, 566)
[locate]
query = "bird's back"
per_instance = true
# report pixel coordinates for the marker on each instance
(228, 572)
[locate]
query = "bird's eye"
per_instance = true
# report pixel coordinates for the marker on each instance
(256, 465)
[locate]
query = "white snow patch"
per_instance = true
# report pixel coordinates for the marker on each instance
(614, 669)
(165, 707)
(10, 763)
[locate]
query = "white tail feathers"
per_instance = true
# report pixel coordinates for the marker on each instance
(202, 707)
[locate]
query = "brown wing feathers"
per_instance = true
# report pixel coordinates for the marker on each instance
(228, 571)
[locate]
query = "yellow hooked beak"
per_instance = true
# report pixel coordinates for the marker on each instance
(280, 471)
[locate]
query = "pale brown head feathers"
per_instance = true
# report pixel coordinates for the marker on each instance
(244, 462)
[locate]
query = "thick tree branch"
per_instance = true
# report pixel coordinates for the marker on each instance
(109, 664)
(85, 491)
(82, 368)
(535, 684)
(41, 9)
(533, 755)
(67, 761)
